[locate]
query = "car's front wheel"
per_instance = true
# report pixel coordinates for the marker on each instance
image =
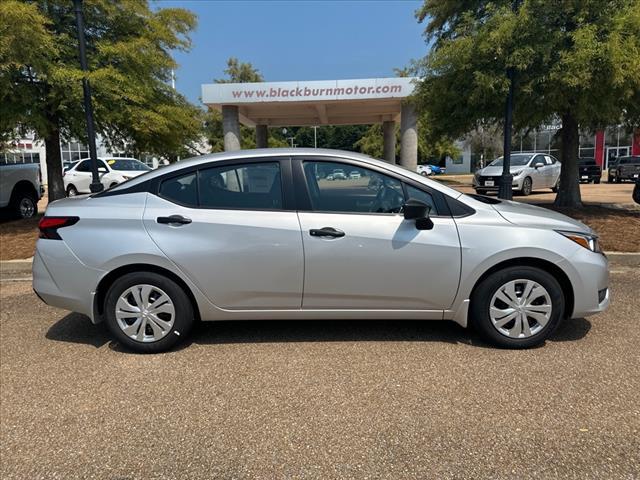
(148, 312)
(518, 307)
(72, 191)
(526, 187)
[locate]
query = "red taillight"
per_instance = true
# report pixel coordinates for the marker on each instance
(49, 226)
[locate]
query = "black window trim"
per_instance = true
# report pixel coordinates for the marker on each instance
(303, 198)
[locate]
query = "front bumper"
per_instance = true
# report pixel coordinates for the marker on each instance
(480, 183)
(589, 276)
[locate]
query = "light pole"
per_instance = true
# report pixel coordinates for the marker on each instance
(506, 180)
(315, 137)
(96, 185)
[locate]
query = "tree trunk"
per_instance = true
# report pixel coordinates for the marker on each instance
(569, 191)
(54, 163)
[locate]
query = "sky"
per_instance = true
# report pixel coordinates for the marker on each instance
(298, 40)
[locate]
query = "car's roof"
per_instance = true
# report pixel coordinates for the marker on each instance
(286, 152)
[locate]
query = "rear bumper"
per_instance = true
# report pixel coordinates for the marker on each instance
(61, 280)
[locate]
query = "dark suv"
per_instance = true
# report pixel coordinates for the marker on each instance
(626, 168)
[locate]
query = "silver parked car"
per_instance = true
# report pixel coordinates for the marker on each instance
(531, 171)
(255, 235)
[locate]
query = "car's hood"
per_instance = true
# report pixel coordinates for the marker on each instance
(497, 171)
(526, 215)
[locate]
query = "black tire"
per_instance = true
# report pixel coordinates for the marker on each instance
(527, 186)
(23, 204)
(596, 181)
(113, 184)
(618, 180)
(484, 292)
(72, 191)
(184, 315)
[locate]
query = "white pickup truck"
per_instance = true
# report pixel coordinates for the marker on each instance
(20, 188)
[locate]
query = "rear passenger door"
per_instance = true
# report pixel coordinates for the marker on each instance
(234, 234)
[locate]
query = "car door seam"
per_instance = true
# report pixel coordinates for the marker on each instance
(304, 260)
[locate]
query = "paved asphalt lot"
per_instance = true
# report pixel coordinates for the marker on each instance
(319, 399)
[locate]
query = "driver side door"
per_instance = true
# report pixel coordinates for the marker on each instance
(360, 253)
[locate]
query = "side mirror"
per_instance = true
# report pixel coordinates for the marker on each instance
(419, 211)
(538, 164)
(102, 170)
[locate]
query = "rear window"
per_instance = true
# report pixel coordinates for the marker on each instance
(128, 164)
(587, 161)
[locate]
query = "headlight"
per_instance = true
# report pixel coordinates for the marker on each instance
(126, 177)
(518, 173)
(590, 242)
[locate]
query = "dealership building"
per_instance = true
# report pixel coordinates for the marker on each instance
(316, 103)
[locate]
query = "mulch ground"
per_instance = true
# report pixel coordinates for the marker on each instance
(619, 231)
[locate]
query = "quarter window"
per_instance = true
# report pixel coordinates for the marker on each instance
(255, 186)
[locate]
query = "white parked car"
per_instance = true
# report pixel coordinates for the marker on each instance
(354, 175)
(112, 171)
(424, 170)
(530, 172)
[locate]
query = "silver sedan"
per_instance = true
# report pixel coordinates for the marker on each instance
(263, 234)
(531, 171)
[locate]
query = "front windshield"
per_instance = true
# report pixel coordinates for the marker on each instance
(517, 160)
(128, 164)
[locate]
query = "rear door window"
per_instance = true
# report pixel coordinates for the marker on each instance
(182, 190)
(253, 186)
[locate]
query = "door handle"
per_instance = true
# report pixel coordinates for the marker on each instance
(174, 219)
(326, 232)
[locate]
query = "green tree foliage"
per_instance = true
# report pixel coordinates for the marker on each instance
(128, 47)
(237, 72)
(577, 62)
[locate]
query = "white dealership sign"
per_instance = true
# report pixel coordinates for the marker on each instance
(322, 90)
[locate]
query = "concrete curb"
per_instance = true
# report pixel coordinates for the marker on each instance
(14, 268)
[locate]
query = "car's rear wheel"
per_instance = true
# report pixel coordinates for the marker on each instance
(526, 187)
(518, 307)
(72, 191)
(148, 312)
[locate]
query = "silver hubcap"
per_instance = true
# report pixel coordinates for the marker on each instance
(520, 308)
(72, 192)
(26, 208)
(145, 313)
